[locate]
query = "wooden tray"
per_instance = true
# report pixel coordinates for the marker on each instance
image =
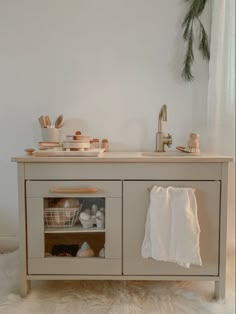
(54, 153)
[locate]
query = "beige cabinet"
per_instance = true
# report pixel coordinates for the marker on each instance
(55, 233)
(135, 204)
(121, 186)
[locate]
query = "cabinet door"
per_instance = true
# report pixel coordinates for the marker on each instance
(55, 232)
(136, 202)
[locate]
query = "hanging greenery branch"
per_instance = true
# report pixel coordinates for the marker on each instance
(192, 17)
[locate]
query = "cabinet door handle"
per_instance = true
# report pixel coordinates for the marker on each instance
(74, 190)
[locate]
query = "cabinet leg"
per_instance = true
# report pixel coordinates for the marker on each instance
(25, 286)
(124, 284)
(220, 290)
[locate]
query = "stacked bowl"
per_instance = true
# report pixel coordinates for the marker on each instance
(77, 142)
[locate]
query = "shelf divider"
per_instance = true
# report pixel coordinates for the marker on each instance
(74, 229)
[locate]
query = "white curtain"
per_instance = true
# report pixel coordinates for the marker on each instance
(221, 93)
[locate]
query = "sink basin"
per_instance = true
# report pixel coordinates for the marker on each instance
(162, 154)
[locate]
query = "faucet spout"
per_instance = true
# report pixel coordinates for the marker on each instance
(161, 139)
(162, 117)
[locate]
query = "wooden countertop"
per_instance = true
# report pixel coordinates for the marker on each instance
(132, 157)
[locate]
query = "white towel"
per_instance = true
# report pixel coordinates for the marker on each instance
(172, 229)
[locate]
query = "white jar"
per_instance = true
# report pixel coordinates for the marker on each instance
(50, 135)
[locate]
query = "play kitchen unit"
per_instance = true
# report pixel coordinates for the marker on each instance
(84, 217)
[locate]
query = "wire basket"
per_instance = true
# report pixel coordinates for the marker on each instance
(60, 217)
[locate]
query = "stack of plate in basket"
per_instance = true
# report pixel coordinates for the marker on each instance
(79, 142)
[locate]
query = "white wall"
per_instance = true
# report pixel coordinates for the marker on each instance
(107, 65)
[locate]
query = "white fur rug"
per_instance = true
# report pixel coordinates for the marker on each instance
(111, 297)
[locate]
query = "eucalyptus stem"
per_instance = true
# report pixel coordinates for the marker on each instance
(191, 18)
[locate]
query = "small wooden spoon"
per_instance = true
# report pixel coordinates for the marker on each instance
(59, 122)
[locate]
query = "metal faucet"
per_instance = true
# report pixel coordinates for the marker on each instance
(161, 139)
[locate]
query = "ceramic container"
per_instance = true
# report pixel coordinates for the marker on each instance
(50, 134)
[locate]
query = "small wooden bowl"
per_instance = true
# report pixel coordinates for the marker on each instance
(29, 151)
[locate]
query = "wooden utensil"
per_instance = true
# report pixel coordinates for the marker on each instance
(48, 121)
(59, 122)
(42, 122)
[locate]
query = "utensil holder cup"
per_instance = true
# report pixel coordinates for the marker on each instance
(51, 135)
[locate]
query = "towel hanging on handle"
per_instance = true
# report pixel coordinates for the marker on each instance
(172, 229)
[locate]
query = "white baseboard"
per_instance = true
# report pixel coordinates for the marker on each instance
(8, 243)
